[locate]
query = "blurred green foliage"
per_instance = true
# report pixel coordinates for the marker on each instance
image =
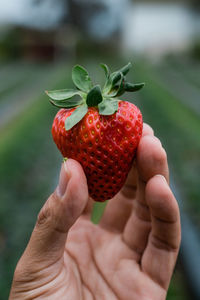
(195, 50)
(10, 46)
(30, 161)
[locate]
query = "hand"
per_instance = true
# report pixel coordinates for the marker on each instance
(131, 254)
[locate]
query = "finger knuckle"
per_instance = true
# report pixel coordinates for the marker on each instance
(162, 156)
(20, 273)
(51, 215)
(45, 214)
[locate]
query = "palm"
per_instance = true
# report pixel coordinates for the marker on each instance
(101, 258)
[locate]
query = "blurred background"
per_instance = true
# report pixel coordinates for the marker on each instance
(40, 41)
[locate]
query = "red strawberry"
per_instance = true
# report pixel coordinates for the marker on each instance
(102, 133)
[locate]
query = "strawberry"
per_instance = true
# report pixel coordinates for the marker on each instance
(97, 129)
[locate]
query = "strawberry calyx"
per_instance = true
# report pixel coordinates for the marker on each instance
(89, 95)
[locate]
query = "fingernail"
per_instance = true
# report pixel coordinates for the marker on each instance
(162, 178)
(64, 178)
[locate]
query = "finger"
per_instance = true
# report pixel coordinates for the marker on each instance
(88, 209)
(160, 255)
(147, 130)
(151, 160)
(58, 214)
(119, 208)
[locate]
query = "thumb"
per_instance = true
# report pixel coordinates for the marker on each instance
(58, 214)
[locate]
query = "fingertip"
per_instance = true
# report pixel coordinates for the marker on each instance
(78, 178)
(150, 140)
(63, 180)
(151, 158)
(70, 168)
(147, 130)
(74, 168)
(157, 185)
(160, 199)
(76, 195)
(72, 192)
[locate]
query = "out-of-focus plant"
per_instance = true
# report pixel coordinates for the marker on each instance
(9, 45)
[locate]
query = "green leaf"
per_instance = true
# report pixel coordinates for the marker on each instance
(69, 103)
(116, 90)
(108, 107)
(120, 90)
(108, 85)
(76, 116)
(126, 69)
(112, 80)
(81, 78)
(106, 70)
(94, 96)
(62, 94)
(129, 87)
(115, 77)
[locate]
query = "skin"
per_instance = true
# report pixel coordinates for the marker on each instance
(131, 254)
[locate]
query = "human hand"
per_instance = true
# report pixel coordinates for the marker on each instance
(131, 254)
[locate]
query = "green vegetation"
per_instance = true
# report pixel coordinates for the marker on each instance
(176, 290)
(9, 45)
(30, 161)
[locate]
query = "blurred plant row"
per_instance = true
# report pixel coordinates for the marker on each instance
(20, 42)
